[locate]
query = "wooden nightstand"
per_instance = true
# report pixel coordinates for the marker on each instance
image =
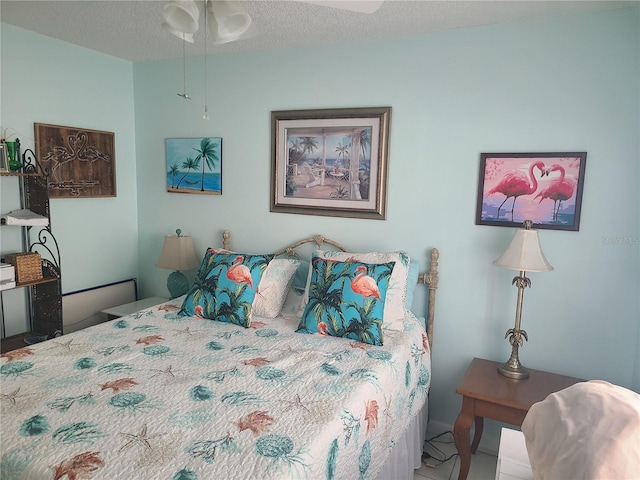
(487, 394)
(133, 307)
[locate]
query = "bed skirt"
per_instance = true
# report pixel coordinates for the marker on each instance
(407, 454)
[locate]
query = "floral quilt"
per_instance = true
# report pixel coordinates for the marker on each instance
(155, 395)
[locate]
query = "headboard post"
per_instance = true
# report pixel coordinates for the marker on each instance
(226, 239)
(430, 279)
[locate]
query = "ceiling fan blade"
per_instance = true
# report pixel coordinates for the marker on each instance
(363, 6)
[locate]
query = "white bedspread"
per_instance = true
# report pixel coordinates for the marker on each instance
(158, 396)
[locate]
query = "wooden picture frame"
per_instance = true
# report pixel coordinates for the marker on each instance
(330, 162)
(545, 188)
(194, 165)
(80, 162)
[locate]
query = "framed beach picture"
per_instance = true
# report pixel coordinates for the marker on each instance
(330, 162)
(545, 188)
(194, 165)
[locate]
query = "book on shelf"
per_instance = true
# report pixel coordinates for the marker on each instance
(7, 284)
(7, 272)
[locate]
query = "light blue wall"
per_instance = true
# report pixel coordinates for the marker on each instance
(560, 85)
(48, 81)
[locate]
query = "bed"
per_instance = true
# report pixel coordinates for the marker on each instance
(277, 377)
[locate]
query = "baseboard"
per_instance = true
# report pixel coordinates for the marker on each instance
(488, 443)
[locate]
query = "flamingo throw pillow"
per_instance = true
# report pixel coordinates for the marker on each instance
(346, 299)
(225, 286)
(394, 309)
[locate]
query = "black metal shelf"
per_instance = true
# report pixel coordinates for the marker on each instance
(45, 294)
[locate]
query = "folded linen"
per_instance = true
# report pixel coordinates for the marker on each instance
(23, 217)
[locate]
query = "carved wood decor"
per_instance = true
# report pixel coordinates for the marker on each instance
(80, 162)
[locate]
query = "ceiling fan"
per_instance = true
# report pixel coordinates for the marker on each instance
(227, 21)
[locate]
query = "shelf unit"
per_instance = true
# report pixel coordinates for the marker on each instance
(44, 296)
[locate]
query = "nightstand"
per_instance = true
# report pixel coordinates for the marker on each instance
(133, 307)
(487, 394)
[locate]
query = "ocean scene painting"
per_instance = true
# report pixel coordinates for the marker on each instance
(194, 165)
(543, 188)
(332, 164)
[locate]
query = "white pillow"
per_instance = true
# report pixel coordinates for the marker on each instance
(395, 301)
(590, 430)
(274, 286)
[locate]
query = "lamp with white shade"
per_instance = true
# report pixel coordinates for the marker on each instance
(525, 255)
(177, 254)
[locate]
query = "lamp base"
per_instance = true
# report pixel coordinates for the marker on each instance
(513, 370)
(177, 284)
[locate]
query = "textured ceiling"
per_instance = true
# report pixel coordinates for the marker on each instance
(131, 29)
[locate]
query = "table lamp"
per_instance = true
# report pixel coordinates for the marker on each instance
(177, 254)
(523, 254)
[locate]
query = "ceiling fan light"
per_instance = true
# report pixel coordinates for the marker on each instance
(188, 37)
(212, 26)
(231, 20)
(182, 16)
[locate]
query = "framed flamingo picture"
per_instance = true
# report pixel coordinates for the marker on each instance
(545, 188)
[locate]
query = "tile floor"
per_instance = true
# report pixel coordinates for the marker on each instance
(483, 465)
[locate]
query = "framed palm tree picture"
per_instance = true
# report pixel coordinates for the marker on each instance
(330, 162)
(194, 165)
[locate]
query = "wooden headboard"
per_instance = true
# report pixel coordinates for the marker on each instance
(430, 278)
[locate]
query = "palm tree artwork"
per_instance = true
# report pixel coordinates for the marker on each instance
(365, 173)
(189, 164)
(343, 153)
(309, 144)
(207, 152)
(196, 164)
(173, 173)
(340, 159)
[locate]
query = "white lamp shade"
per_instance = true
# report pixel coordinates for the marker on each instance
(177, 253)
(182, 16)
(227, 20)
(524, 253)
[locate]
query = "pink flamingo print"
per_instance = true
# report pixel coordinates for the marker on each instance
(239, 273)
(516, 184)
(323, 329)
(364, 285)
(558, 190)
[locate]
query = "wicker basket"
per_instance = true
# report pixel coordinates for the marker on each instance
(28, 266)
